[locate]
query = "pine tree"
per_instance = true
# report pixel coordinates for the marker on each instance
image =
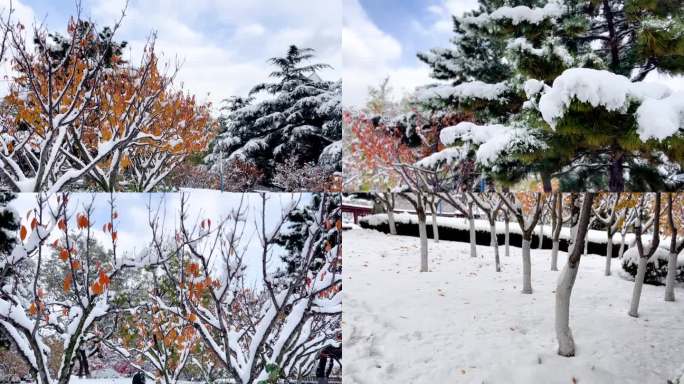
(298, 224)
(9, 225)
(301, 119)
(550, 87)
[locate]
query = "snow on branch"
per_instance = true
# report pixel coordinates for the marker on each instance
(516, 15)
(661, 118)
(491, 140)
(660, 113)
(468, 90)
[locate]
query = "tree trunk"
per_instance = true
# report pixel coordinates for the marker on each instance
(558, 225)
(471, 224)
(622, 245)
(644, 255)
(541, 234)
(616, 179)
(638, 284)
(495, 243)
(672, 259)
(527, 266)
(566, 281)
(566, 343)
(546, 182)
(554, 255)
(507, 236)
(390, 220)
(670, 279)
(423, 242)
(435, 227)
(609, 253)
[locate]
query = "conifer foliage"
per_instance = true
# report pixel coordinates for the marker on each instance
(300, 118)
(563, 90)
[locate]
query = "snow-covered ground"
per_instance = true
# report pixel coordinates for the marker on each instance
(464, 323)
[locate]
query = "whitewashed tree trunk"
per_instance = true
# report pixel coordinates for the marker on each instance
(507, 237)
(566, 281)
(670, 279)
(541, 234)
(622, 245)
(586, 245)
(422, 229)
(554, 255)
(558, 213)
(495, 244)
(609, 253)
(435, 227)
(643, 254)
(527, 267)
(672, 257)
(638, 284)
(471, 224)
(390, 220)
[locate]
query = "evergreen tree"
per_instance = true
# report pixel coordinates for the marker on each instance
(9, 225)
(301, 118)
(548, 83)
(298, 227)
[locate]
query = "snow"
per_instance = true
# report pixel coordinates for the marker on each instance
(660, 114)
(631, 256)
(118, 380)
(468, 131)
(482, 225)
(492, 139)
(550, 48)
(448, 156)
(464, 323)
(519, 14)
(532, 87)
(468, 90)
(659, 119)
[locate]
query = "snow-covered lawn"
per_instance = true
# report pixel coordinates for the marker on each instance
(464, 323)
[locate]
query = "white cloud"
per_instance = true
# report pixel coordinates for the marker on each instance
(370, 55)
(223, 45)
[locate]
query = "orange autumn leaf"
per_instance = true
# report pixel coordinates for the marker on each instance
(82, 221)
(114, 236)
(103, 278)
(64, 254)
(96, 288)
(192, 318)
(33, 310)
(75, 264)
(193, 269)
(22, 233)
(61, 224)
(67, 282)
(34, 223)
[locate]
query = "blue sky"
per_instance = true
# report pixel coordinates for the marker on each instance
(380, 38)
(223, 44)
(132, 226)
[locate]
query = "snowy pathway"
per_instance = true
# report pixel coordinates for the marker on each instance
(463, 322)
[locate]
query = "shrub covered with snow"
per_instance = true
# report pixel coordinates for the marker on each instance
(656, 267)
